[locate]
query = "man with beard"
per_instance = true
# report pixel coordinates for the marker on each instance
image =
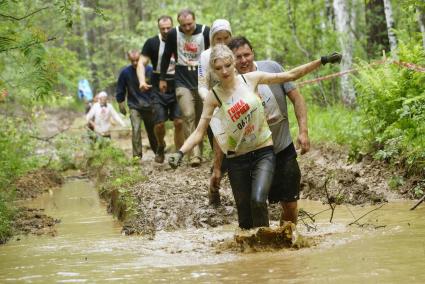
(186, 42)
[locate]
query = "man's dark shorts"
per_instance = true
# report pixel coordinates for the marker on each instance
(287, 177)
(165, 107)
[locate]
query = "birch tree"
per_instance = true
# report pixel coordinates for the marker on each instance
(390, 27)
(343, 22)
(421, 21)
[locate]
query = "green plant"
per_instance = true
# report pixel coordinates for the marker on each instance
(395, 182)
(392, 108)
(6, 215)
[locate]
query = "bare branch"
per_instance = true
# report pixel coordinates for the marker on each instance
(355, 221)
(330, 200)
(13, 18)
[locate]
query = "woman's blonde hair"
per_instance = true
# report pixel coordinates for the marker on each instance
(220, 51)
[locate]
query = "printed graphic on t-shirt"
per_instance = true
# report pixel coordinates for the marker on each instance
(189, 48)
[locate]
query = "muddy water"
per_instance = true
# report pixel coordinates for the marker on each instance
(89, 248)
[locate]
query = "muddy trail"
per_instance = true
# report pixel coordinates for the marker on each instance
(168, 200)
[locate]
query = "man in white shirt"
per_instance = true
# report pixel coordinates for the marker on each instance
(101, 115)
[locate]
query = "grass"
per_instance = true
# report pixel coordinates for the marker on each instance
(335, 124)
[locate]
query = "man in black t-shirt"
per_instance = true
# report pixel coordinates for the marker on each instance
(164, 102)
(186, 42)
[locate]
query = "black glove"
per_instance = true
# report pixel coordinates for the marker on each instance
(175, 159)
(331, 58)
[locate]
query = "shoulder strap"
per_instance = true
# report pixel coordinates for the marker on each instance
(244, 79)
(203, 28)
(216, 96)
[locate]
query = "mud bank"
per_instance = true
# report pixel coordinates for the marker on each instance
(326, 168)
(31, 185)
(175, 199)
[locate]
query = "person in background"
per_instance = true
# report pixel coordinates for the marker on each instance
(164, 103)
(220, 33)
(85, 93)
(101, 115)
(186, 42)
(139, 103)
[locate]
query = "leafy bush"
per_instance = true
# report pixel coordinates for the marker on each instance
(15, 147)
(392, 105)
(15, 151)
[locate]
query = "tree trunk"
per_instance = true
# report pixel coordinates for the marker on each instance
(330, 15)
(89, 37)
(83, 30)
(135, 13)
(421, 21)
(376, 28)
(346, 38)
(293, 26)
(390, 27)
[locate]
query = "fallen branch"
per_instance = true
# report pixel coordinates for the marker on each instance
(419, 202)
(355, 221)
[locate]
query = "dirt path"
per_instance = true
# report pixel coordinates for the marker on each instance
(172, 199)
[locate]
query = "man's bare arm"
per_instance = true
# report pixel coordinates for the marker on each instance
(300, 109)
(143, 61)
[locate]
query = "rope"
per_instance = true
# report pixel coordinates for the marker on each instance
(407, 65)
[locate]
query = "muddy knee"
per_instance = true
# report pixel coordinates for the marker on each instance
(178, 124)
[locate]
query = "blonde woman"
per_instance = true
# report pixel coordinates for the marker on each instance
(245, 137)
(220, 33)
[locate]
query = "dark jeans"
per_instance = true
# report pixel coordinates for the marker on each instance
(251, 176)
(136, 117)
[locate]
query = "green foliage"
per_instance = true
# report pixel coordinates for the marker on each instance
(392, 105)
(16, 158)
(335, 124)
(395, 182)
(29, 67)
(6, 215)
(418, 191)
(16, 150)
(103, 155)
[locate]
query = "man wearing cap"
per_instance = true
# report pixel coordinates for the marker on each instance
(186, 42)
(139, 103)
(164, 103)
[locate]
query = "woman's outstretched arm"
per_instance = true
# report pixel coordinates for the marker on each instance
(297, 72)
(195, 138)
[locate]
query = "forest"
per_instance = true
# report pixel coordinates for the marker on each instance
(373, 103)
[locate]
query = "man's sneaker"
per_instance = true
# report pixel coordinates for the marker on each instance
(195, 162)
(159, 156)
(213, 197)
